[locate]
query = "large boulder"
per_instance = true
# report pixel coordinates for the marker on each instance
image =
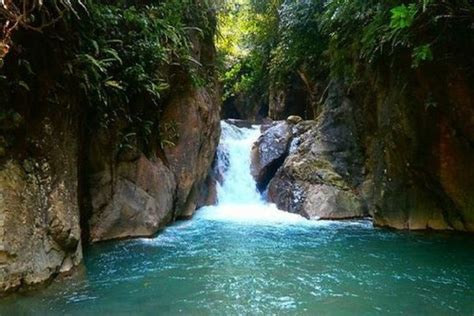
(270, 151)
(314, 190)
(319, 179)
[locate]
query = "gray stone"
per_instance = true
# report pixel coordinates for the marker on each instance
(320, 177)
(269, 152)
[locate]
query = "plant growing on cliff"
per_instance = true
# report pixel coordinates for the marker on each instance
(121, 57)
(33, 15)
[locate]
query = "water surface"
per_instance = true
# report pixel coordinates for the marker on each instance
(245, 257)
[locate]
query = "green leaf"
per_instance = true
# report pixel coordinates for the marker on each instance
(115, 56)
(421, 54)
(403, 16)
(24, 85)
(114, 84)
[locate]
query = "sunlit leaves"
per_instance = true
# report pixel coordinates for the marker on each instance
(403, 16)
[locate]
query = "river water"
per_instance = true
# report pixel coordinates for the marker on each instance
(245, 257)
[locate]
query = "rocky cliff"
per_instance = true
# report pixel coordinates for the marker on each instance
(402, 156)
(68, 177)
(420, 150)
(40, 153)
(132, 195)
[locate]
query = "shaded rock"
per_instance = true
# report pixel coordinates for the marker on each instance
(191, 158)
(40, 234)
(243, 106)
(137, 201)
(277, 103)
(320, 177)
(296, 98)
(420, 160)
(269, 152)
(239, 123)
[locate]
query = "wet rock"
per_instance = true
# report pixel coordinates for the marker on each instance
(296, 98)
(319, 178)
(269, 152)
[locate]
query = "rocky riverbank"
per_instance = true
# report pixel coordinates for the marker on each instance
(338, 166)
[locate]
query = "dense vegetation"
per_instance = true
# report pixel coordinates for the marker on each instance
(313, 39)
(123, 55)
(118, 57)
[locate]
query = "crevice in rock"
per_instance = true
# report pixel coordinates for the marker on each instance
(270, 171)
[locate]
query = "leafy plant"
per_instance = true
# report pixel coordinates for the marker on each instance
(420, 54)
(403, 16)
(121, 57)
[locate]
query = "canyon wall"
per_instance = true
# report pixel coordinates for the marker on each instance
(66, 180)
(403, 156)
(133, 195)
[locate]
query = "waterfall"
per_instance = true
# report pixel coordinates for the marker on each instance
(238, 197)
(233, 163)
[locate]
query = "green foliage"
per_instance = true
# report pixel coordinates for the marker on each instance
(121, 57)
(374, 33)
(126, 53)
(279, 38)
(129, 55)
(422, 53)
(403, 16)
(248, 32)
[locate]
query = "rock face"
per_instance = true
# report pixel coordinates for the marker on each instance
(62, 182)
(320, 177)
(40, 234)
(419, 160)
(191, 158)
(136, 196)
(386, 152)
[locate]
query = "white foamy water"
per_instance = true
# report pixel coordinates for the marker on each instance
(238, 197)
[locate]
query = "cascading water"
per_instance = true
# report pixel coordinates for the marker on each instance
(238, 197)
(245, 257)
(234, 163)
